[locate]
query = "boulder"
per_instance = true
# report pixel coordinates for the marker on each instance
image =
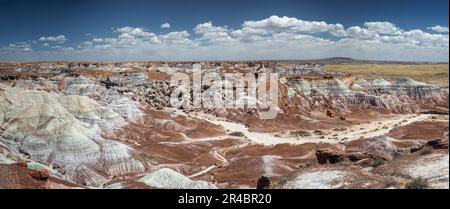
(438, 144)
(263, 183)
(329, 156)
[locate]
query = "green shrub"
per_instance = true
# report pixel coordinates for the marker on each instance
(417, 183)
(391, 182)
(237, 133)
(299, 133)
(319, 132)
(426, 150)
(377, 163)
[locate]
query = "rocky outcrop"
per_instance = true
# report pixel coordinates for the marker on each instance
(169, 179)
(64, 132)
(325, 156)
(438, 144)
(263, 183)
(405, 95)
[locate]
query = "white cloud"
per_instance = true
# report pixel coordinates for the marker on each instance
(208, 27)
(274, 37)
(439, 29)
(58, 39)
(427, 39)
(179, 37)
(97, 40)
(18, 47)
(211, 34)
(382, 28)
(276, 24)
(361, 33)
(165, 25)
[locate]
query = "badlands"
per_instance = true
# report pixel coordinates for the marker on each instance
(111, 125)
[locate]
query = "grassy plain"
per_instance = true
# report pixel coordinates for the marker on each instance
(437, 74)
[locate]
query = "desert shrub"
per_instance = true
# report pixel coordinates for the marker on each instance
(8, 137)
(237, 133)
(299, 133)
(319, 132)
(377, 163)
(426, 150)
(340, 129)
(390, 182)
(417, 183)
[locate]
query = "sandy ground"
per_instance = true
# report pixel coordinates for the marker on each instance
(318, 180)
(433, 168)
(365, 130)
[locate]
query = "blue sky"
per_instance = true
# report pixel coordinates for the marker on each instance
(286, 29)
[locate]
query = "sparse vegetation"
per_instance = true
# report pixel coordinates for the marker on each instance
(417, 183)
(340, 129)
(390, 182)
(299, 133)
(8, 137)
(237, 134)
(377, 163)
(426, 150)
(430, 73)
(319, 132)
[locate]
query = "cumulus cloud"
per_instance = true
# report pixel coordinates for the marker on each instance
(361, 33)
(275, 37)
(58, 39)
(439, 29)
(165, 25)
(276, 24)
(211, 34)
(382, 28)
(181, 37)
